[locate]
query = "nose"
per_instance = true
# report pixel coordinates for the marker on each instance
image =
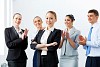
(48, 20)
(65, 22)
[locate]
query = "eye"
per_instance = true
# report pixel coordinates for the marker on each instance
(19, 18)
(34, 21)
(38, 20)
(46, 18)
(16, 18)
(51, 18)
(68, 20)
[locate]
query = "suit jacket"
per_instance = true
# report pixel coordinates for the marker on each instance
(16, 46)
(52, 56)
(67, 49)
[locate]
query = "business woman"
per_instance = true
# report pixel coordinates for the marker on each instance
(69, 44)
(46, 43)
(37, 21)
(16, 41)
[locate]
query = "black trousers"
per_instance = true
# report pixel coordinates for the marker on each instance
(44, 62)
(17, 64)
(92, 62)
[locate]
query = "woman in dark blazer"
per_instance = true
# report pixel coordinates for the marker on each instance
(46, 43)
(16, 41)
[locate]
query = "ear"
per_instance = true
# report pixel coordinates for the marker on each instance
(97, 17)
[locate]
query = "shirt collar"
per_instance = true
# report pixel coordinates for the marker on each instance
(51, 29)
(95, 24)
(18, 29)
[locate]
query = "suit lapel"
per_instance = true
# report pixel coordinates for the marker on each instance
(51, 36)
(40, 35)
(15, 32)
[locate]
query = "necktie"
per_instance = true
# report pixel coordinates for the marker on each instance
(88, 48)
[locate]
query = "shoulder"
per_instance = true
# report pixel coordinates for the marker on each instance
(57, 30)
(77, 31)
(98, 25)
(40, 32)
(8, 28)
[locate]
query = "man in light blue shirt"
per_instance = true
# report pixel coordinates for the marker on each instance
(92, 45)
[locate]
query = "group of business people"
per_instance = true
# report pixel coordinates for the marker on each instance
(48, 39)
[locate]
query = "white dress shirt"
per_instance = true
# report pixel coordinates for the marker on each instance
(19, 31)
(45, 37)
(95, 41)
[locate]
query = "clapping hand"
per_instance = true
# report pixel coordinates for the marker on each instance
(24, 35)
(82, 40)
(26, 32)
(67, 34)
(63, 34)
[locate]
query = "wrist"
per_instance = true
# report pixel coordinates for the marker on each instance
(46, 45)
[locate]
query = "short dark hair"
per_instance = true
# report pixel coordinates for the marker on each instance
(71, 17)
(94, 11)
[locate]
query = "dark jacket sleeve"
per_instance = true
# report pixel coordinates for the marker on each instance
(25, 43)
(56, 38)
(34, 42)
(9, 42)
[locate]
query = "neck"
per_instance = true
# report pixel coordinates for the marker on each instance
(39, 28)
(69, 27)
(17, 27)
(93, 22)
(48, 27)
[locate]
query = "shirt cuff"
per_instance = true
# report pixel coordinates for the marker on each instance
(88, 43)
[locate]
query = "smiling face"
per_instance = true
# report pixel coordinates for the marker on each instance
(37, 22)
(50, 19)
(17, 19)
(68, 22)
(92, 18)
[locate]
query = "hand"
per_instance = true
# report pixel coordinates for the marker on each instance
(54, 43)
(81, 38)
(51, 44)
(26, 32)
(67, 35)
(63, 34)
(83, 42)
(24, 35)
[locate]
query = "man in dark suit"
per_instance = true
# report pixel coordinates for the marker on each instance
(16, 41)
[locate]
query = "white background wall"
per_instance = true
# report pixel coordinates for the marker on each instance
(31, 8)
(2, 56)
(2, 26)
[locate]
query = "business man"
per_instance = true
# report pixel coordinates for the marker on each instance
(16, 41)
(92, 42)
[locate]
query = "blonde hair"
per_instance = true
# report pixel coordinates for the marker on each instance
(38, 17)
